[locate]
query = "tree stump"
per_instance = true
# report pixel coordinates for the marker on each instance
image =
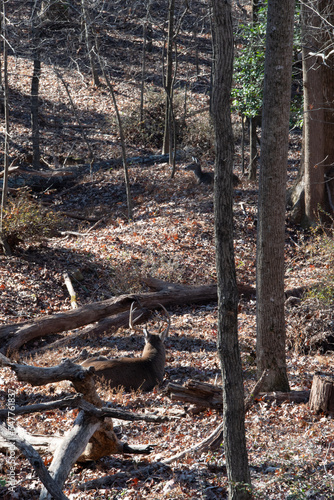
(322, 393)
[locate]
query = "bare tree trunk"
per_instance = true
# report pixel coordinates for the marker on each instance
(36, 461)
(76, 114)
(227, 341)
(89, 44)
(34, 111)
(168, 83)
(35, 85)
(195, 34)
(252, 148)
(318, 83)
(143, 66)
(312, 196)
(3, 241)
(272, 194)
(124, 155)
(253, 121)
(313, 118)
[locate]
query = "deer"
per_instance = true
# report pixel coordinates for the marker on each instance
(202, 177)
(206, 177)
(143, 372)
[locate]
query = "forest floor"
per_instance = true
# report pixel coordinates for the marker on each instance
(171, 237)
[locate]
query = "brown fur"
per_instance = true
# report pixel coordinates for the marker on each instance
(133, 373)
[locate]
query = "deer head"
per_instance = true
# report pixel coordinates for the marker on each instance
(135, 373)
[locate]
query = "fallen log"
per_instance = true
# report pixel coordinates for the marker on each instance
(72, 447)
(166, 294)
(12, 436)
(41, 179)
(92, 435)
(214, 440)
(138, 471)
(109, 324)
(43, 444)
(77, 401)
(205, 396)
(48, 444)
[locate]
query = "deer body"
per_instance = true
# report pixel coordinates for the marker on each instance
(202, 177)
(133, 373)
(206, 177)
(143, 372)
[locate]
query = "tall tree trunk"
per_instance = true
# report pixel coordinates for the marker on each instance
(227, 342)
(313, 118)
(3, 240)
(122, 138)
(89, 45)
(168, 83)
(35, 20)
(318, 80)
(253, 121)
(252, 148)
(312, 195)
(34, 111)
(272, 193)
(146, 30)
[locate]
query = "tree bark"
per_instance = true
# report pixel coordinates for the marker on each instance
(272, 195)
(71, 448)
(322, 393)
(31, 454)
(35, 87)
(216, 437)
(204, 395)
(3, 240)
(168, 83)
(167, 294)
(123, 146)
(252, 148)
(227, 341)
(313, 135)
(327, 11)
(113, 313)
(253, 121)
(87, 28)
(316, 200)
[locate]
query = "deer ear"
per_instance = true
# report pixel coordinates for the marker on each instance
(163, 335)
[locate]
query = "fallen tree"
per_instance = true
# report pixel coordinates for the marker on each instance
(214, 440)
(165, 293)
(34, 458)
(202, 395)
(91, 436)
(58, 177)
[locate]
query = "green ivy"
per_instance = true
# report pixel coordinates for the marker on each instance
(247, 92)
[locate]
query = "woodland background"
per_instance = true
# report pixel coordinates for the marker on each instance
(170, 237)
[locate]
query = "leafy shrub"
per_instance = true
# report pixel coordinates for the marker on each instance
(25, 219)
(247, 92)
